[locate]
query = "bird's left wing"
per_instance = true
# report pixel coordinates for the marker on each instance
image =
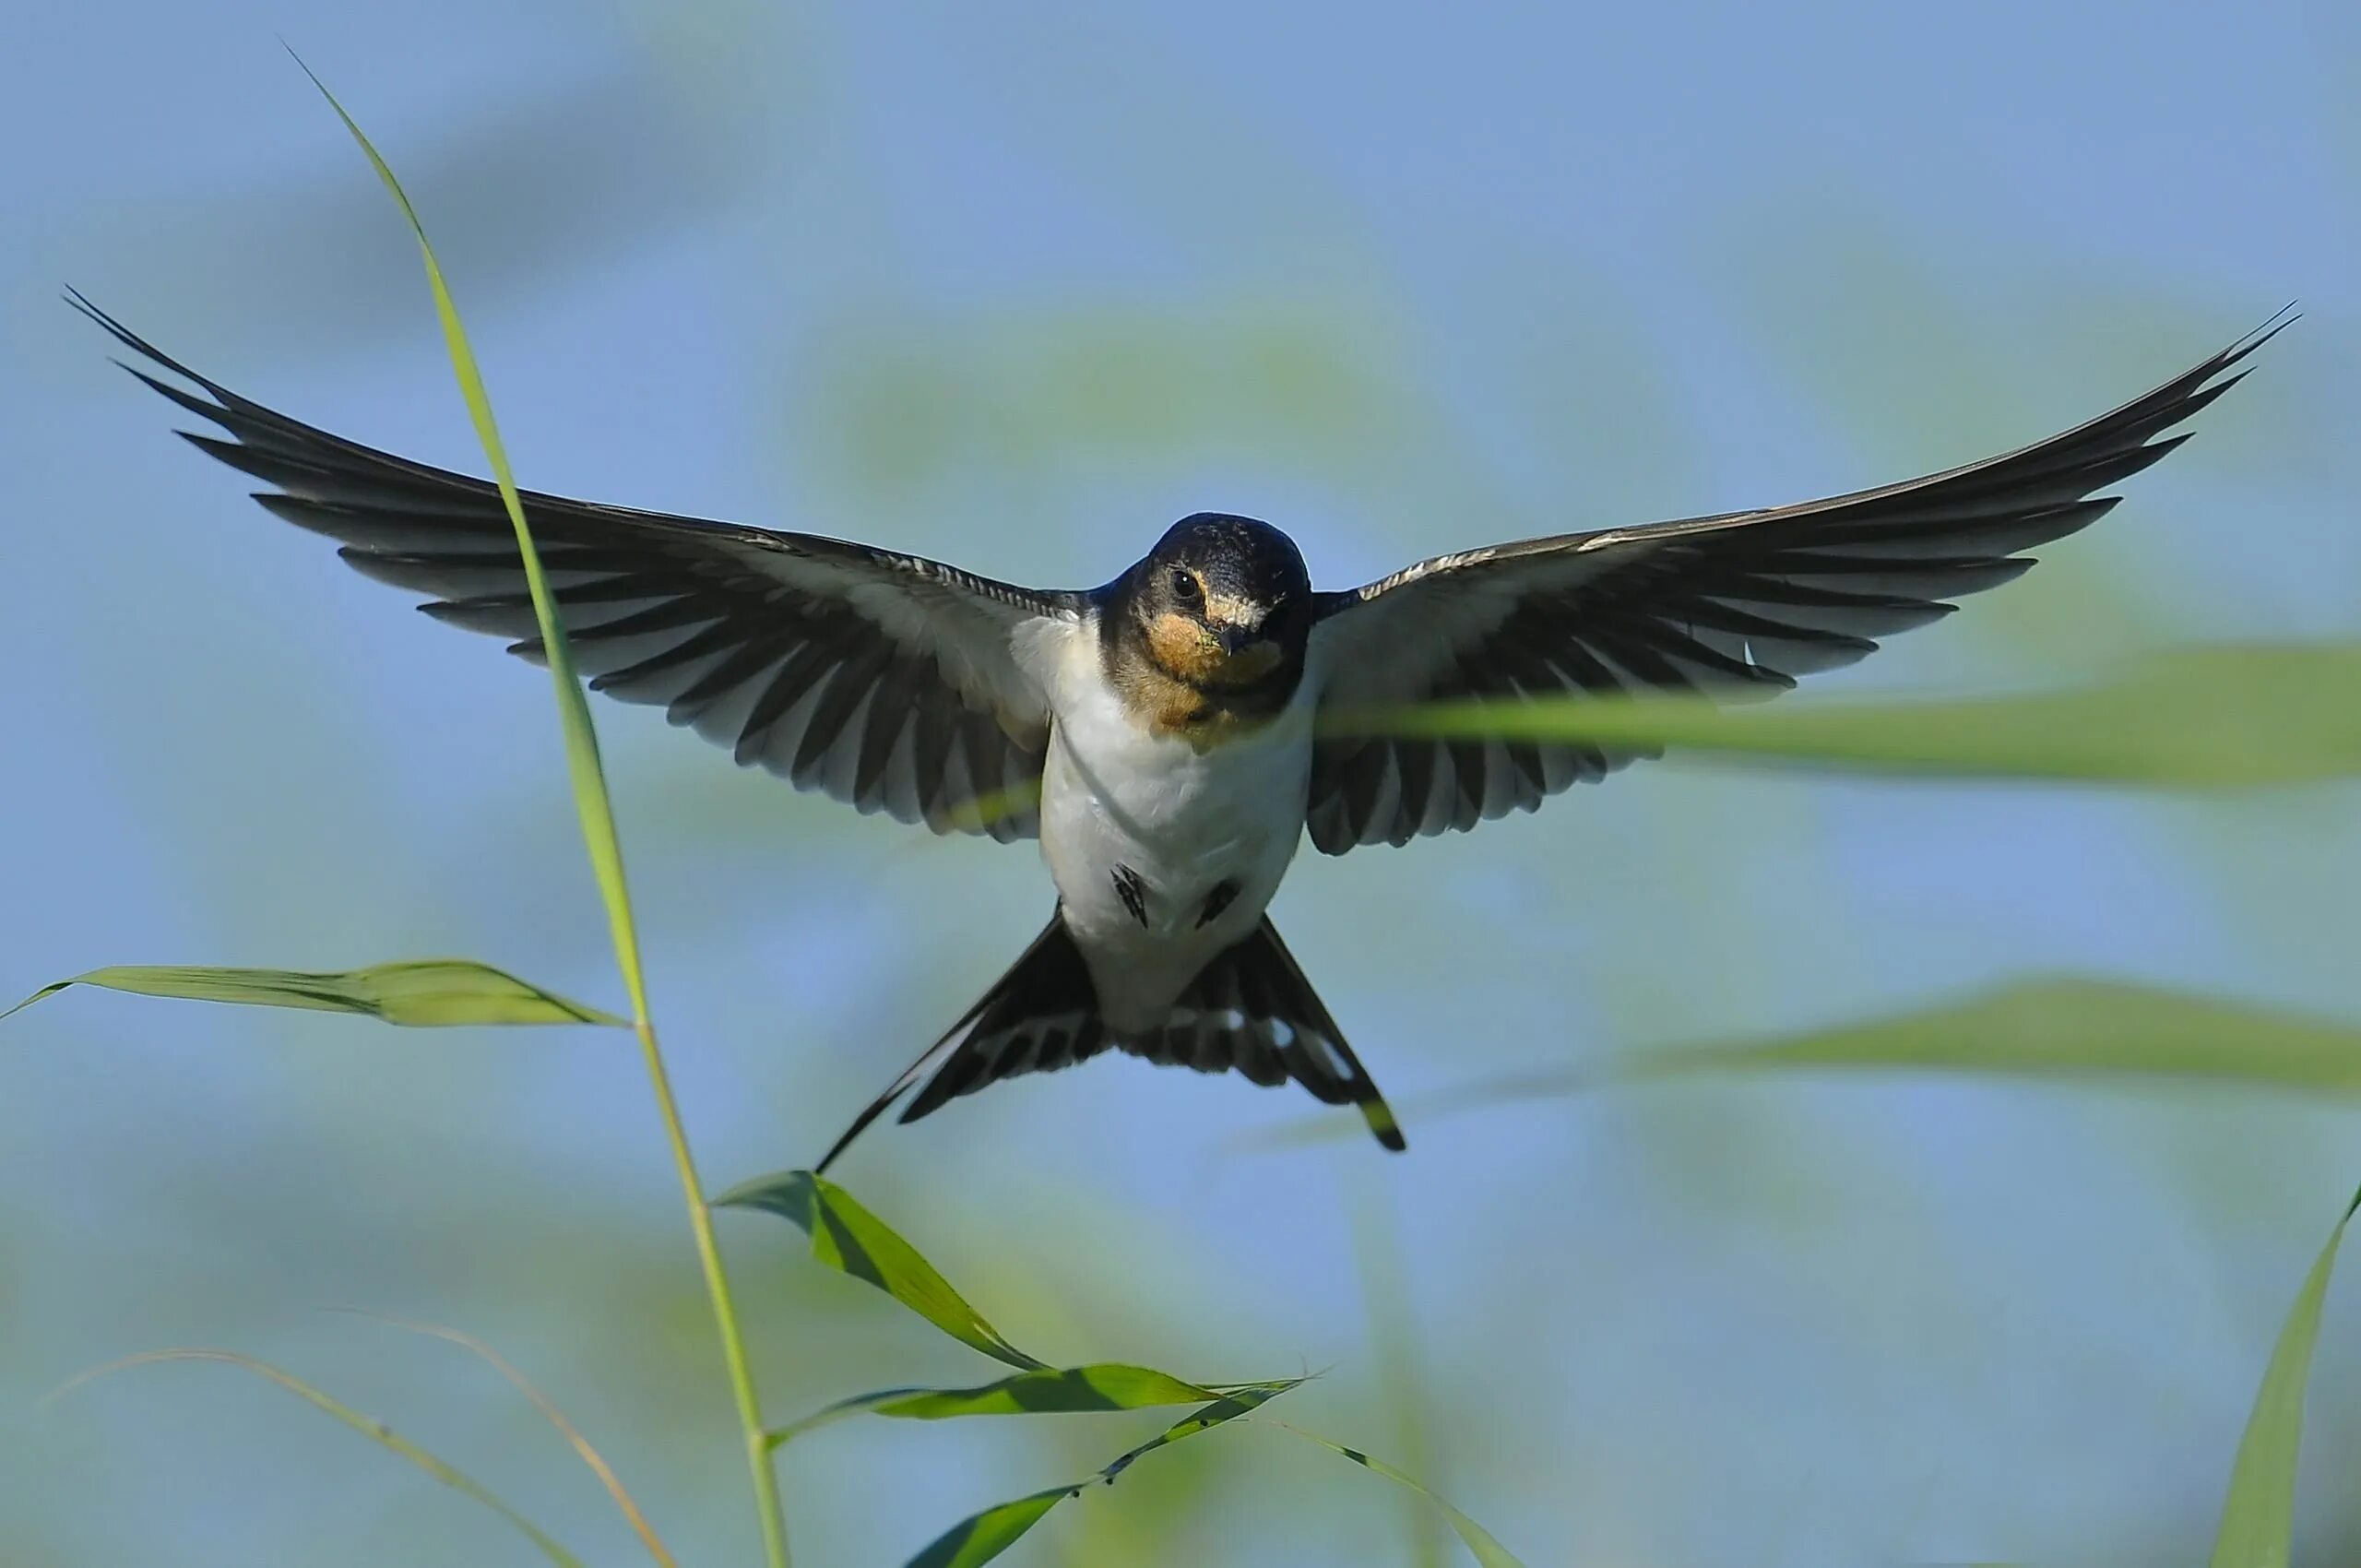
(890, 682)
(1736, 604)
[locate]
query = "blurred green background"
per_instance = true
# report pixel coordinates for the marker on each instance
(1016, 286)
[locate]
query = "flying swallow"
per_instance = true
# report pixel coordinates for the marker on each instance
(1159, 735)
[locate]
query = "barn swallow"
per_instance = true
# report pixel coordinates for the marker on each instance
(1160, 735)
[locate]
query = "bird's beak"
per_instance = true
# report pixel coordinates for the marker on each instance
(1246, 654)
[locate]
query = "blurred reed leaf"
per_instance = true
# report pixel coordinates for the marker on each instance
(979, 1538)
(374, 1430)
(2064, 1027)
(849, 1239)
(422, 991)
(2215, 716)
(2258, 1517)
(1291, 381)
(1103, 1385)
(1488, 1552)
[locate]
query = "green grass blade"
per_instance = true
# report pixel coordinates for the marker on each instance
(426, 991)
(596, 813)
(374, 1430)
(2190, 718)
(987, 808)
(1479, 1541)
(1103, 1385)
(2065, 1028)
(848, 1238)
(2258, 1517)
(979, 1538)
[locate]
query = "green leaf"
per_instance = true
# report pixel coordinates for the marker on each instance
(374, 1430)
(979, 1538)
(2064, 1027)
(1487, 1552)
(2258, 1517)
(2193, 717)
(1104, 1386)
(849, 1239)
(426, 991)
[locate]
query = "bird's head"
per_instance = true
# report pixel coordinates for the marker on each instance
(1223, 603)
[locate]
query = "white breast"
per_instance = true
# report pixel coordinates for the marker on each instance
(1117, 798)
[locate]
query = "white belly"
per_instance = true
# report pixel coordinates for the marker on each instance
(1120, 804)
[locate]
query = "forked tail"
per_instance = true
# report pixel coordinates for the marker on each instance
(1249, 1009)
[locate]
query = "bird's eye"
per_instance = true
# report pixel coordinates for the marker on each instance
(1184, 586)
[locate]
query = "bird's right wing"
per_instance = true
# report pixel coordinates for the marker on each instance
(1742, 602)
(890, 682)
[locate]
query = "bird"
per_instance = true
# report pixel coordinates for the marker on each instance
(1160, 735)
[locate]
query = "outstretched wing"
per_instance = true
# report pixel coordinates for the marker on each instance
(1736, 604)
(890, 682)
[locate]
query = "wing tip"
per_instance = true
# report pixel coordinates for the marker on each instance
(81, 301)
(132, 341)
(2278, 321)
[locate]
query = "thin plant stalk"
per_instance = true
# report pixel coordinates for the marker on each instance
(582, 1447)
(376, 1431)
(605, 847)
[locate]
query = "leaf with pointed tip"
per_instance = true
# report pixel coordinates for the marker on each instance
(979, 1538)
(1103, 1385)
(427, 992)
(2258, 1517)
(849, 1239)
(2195, 718)
(1488, 1552)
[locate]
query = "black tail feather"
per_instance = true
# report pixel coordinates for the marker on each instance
(1041, 1015)
(1250, 1009)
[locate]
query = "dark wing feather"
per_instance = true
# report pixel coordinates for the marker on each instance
(1737, 604)
(889, 682)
